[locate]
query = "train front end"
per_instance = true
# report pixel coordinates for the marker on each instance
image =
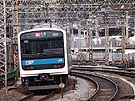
(43, 58)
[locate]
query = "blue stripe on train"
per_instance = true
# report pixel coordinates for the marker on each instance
(42, 61)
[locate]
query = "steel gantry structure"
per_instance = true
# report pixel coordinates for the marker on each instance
(18, 15)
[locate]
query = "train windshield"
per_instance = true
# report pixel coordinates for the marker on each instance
(42, 50)
(35, 45)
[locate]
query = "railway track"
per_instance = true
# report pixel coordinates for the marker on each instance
(119, 71)
(96, 85)
(106, 88)
(119, 75)
(32, 97)
(21, 93)
(25, 95)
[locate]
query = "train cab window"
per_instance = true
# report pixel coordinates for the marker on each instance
(42, 48)
(46, 45)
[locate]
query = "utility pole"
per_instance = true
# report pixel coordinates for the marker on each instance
(106, 40)
(127, 26)
(15, 32)
(72, 35)
(134, 26)
(79, 35)
(5, 45)
(97, 32)
(90, 45)
(123, 36)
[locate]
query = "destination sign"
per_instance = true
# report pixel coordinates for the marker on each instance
(41, 34)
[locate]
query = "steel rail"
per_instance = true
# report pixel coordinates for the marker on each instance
(27, 97)
(107, 79)
(120, 71)
(40, 98)
(48, 96)
(94, 82)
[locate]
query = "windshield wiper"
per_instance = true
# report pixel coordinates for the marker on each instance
(41, 54)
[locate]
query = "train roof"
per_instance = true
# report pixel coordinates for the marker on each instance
(44, 27)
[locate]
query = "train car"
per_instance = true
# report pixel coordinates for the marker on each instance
(44, 57)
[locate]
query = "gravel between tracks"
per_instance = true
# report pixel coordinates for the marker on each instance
(83, 89)
(125, 89)
(10, 96)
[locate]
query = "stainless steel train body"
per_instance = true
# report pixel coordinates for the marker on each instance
(44, 57)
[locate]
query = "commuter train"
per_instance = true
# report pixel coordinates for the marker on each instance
(44, 57)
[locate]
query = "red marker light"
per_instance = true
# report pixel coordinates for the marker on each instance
(37, 34)
(29, 68)
(58, 66)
